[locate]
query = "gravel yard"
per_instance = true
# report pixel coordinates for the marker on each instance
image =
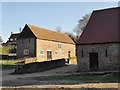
(66, 76)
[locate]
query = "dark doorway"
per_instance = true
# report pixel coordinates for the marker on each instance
(93, 61)
(68, 60)
(49, 55)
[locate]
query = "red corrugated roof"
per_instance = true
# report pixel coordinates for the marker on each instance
(102, 27)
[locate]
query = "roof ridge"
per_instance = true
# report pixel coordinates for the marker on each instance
(46, 29)
(106, 9)
(15, 33)
(49, 34)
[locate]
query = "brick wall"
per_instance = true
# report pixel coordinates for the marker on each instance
(104, 63)
(40, 66)
(26, 44)
(35, 45)
(53, 46)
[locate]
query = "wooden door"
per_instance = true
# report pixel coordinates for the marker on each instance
(93, 61)
(49, 55)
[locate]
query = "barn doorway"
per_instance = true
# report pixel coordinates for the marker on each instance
(93, 61)
(49, 55)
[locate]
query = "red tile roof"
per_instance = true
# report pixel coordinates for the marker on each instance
(102, 27)
(45, 34)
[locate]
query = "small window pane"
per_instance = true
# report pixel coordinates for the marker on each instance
(106, 53)
(11, 39)
(59, 45)
(41, 51)
(62, 53)
(82, 53)
(29, 40)
(56, 52)
(26, 52)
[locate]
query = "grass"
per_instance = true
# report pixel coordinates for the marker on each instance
(10, 62)
(8, 66)
(4, 49)
(84, 78)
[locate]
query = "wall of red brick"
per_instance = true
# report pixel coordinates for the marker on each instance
(52, 46)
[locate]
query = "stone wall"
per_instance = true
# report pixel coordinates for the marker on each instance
(104, 63)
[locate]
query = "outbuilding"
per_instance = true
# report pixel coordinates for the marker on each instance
(98, 45)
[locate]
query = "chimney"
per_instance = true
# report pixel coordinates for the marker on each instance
(20, 30)
(11, 33)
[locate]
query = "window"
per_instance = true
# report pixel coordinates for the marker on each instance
(22, 40)
(29, 40)
(56, 52)
(69, 54)
(26, 52)
(82, 53)
(49, 55)
(11, 39)
(106, 53)
(15, 39)
(42, 52)
(59, 45)
(62, 53)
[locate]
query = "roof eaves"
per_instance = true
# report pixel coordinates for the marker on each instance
(56, 41)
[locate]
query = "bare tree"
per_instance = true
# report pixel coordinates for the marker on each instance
(71, 36)
(58, 28)
(1, 40)
(81, 24)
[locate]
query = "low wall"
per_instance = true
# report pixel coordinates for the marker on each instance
(40, 66)
(7, 57)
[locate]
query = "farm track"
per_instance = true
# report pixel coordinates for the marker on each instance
(27, 80)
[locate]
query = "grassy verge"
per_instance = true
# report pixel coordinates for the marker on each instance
(113, 77)
(6, 49)
(8, 66)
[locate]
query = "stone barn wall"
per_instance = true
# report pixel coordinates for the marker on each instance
(104, 63)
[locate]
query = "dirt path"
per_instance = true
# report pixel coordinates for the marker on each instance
(94, 86)
(29, 81)
(7, 78)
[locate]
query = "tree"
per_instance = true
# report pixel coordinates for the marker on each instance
(58, 28)
(1, 40)
(81, 25)
(71, 36)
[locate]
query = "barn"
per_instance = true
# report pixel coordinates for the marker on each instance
(44, 44)
(99, 45)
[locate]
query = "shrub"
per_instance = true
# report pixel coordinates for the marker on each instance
(7, 49)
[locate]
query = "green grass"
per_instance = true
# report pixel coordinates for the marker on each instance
(10, 62)
(8, 66)
(6, 49)
(109, 78)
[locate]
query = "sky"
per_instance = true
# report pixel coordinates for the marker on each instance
(47, 15)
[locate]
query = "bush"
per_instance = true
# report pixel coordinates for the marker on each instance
(7, 49)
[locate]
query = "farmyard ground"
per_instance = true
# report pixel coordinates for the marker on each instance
(66, 77)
